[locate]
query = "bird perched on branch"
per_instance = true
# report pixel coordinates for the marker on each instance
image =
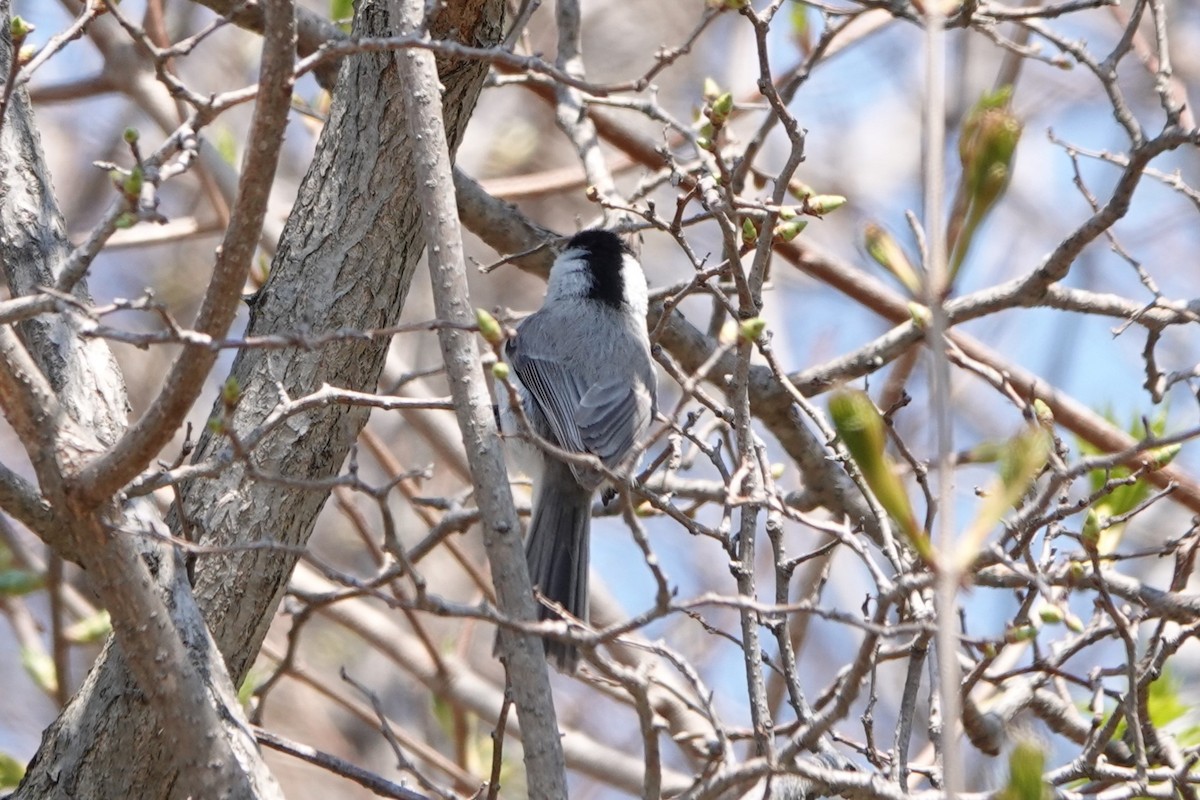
(585, 380)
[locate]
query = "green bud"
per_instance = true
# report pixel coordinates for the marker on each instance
(749, 231)
(1093, 525)
(16, 581)
(704, 143)
(887, 253)
(787, 231)
(777, 470)
(1051, 615)
(752, 328)
(986, 146)
(126, 220)
(489, 328)
(721, 108)
(1162, 456)
(800, 190)
(986, 453)
(1043, 412)
(501, 371)
(1021, 460)
(712, 90)
(40, 668)
(131, 135)
(19, 28)
(89, 629)
(132, 185)
(1020, 633)
(821, 204)
(922, 317)
(231, 392)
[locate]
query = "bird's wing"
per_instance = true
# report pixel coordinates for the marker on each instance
(612, 416)
(554, 388)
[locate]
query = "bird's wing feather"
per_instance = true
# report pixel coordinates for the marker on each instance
(555, 390)
(611, 417)
(589, 410)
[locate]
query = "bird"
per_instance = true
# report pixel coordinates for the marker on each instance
(582, 372)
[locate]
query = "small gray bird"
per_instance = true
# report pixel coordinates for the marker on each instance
(582, 369)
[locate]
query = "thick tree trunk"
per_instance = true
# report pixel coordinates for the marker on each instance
(345, 260)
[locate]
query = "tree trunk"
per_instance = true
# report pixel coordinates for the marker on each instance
(346, 259)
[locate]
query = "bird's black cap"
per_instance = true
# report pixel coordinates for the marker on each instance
(605, 251)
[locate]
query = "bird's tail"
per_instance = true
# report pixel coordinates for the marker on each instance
(556, 551)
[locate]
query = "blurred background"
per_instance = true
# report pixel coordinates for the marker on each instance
(862, 108)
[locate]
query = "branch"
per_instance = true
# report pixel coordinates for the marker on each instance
(104, 476)
(313, 31)
(523, 656)
(376, 784)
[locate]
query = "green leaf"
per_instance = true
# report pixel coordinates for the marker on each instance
(254, 678)
(342, 13)
(1026, 764)
(1021, 459)
(40, 667)
(861, 429)
(231, 393)
(1120, 500)
(800, 22)
(11, 771)
(1167, 707)
(1164, 703)
(89, 629)
(15, 581)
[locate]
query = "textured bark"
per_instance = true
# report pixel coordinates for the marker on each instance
(345, 260)
(182, 692)
(83, 372)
